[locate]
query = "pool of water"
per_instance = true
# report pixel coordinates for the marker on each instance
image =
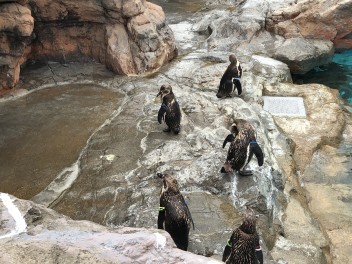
(337, 75)
(43, 132)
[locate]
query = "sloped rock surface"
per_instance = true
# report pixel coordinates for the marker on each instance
(51, 237)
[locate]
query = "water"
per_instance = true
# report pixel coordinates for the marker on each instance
(336, 75)
(44, 132)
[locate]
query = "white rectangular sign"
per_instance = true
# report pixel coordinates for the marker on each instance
(284, 106)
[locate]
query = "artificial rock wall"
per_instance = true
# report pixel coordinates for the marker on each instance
(128, 36)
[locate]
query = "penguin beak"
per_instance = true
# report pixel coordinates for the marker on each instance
(234, 129)
(160, 175)
(158, 94)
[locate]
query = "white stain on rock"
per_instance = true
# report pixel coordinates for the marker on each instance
(160, 241)
(61, 183)
(21, 225)
(109, 157)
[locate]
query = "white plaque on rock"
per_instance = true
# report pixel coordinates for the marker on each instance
(284, 106)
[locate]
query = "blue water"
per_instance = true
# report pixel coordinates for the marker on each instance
(337, 75)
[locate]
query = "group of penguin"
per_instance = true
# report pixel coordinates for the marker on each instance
(243, 247)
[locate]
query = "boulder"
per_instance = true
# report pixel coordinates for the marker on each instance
(302, 55)
(48, 237)
(330, 193)
(324, 123)
(327, 20)
(245, 31)
(16, 27)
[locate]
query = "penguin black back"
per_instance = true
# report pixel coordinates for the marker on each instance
(243, 246)
(230, 78)
(169, 110)
(243, 146)
(174, 212)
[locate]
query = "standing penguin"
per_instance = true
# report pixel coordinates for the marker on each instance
(232, 76)
(243, 146)
(243, 247)
(174, 212)
(169, 110)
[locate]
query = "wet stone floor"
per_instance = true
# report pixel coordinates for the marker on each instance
(44, 132)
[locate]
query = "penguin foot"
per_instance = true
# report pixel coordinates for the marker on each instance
(226, 168)
(167, 129)
(224, 171)
(246, 173)
(176, 130)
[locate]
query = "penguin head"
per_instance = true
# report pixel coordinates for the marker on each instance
(165, 89)
(233, 59)
(237, 125)
(170, 184)
(234, 129)
(249, 221)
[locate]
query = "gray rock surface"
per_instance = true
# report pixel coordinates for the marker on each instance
(302, 55)
(51, 237)
(244, 31)
(117, 184)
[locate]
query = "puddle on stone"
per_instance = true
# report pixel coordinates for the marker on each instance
(45, 131)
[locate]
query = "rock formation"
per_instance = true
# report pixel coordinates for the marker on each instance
(48, 236)
(16, 28)
(117, 186)
(128, 36)
(253, 32)
(315, 19)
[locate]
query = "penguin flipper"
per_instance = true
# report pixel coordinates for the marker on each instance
(161, 218)
(257, 152)
(238, 85)
(188, 212)
(227, 252)
(161, 113)
(259, 255)
(229, 138)
(229, 245)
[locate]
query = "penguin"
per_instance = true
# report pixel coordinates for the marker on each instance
(243, 146)
(232, 76)
(169, 110)
(243, 247)
(174, 212)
